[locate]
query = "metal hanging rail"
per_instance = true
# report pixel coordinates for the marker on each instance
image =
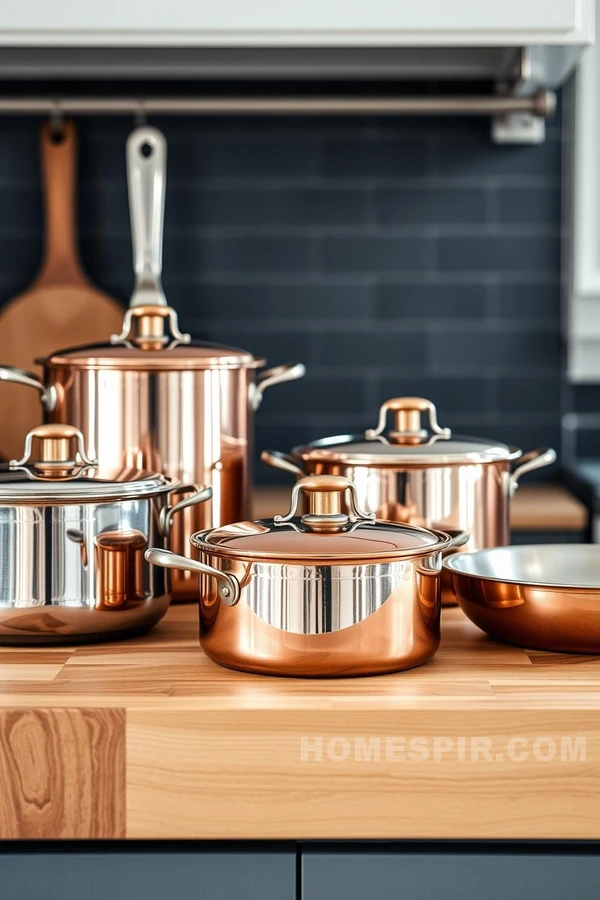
(541, 104)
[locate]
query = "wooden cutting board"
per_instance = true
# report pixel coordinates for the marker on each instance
(61, 308)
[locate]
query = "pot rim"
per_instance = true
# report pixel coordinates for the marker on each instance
(443, 541)
(562, 587)
(55, 493)
(316, 451)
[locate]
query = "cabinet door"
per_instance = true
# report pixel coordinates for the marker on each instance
(147, 875)
(449, 876)
(289, 22)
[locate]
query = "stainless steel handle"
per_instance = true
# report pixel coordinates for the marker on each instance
(146, 177)
(282, 461)
(167, 513)
(458, 539)
(48, 395)
(325, 493)
(535, 459)
(276, 375)
(408, 412)
(229, 587)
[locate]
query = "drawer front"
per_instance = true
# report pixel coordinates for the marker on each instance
(147, 875)
(441, 876)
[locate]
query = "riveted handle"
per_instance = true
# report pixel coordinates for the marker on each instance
(408, 412)
(229, 586)
(56, 443)
(325, 495)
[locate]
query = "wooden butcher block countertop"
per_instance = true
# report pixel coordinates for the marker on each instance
(148, 739)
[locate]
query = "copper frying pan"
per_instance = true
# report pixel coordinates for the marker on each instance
(544, 597)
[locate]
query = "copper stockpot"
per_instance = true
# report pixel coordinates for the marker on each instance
(544, 597)
(423, 475)
(72, 542)
(152, 398)
(329, 593)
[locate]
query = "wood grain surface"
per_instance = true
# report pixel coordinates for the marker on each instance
(61, 308)
(149, 739)
(534, 507)
(62, 773)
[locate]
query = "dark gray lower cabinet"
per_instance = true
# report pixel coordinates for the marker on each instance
(148, 875)
(449, 876)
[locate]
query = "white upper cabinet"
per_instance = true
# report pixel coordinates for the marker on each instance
(285, 23)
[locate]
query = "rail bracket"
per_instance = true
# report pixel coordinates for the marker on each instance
(518, 128)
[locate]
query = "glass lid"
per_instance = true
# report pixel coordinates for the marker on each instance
(151, 340)
(325, 533)
(55, 467)
(408, 442)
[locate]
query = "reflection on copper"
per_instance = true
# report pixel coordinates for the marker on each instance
(120, 569)
(562, 619)
(193, 425)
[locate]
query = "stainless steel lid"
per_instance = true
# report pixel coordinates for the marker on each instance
(151, 340)
(408, 443)
(324, 534)
(59, 470)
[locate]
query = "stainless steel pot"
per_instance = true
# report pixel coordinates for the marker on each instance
(329, 593)
(152, 398)
(72, 542)
(423, 475)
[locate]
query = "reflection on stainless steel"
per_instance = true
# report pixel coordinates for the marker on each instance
(53, 560)
(545, 597)
(72, 544)
(320, 599)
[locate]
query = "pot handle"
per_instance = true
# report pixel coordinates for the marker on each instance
(166, 515)
(48, 396)
(458, 539)
(276, 375)
(229, 587)
(535, 459)
(282, 461)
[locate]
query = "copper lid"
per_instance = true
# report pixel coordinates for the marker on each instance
(407, 443)
(324, 534)
(151, 340)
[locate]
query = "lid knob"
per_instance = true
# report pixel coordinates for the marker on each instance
(325, 494)
(56, 445)
(146, 327)
(407, 421)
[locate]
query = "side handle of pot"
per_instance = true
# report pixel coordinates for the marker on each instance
(282, 461)
(276, 375)
(457, 539)
(535, 459)
(229, 588)
(166, 514)
(48, 396)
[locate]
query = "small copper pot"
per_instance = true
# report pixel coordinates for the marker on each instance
(329, 593)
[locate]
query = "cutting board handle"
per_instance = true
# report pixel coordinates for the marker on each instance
(61, 258)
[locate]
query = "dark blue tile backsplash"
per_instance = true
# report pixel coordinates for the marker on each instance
(391, 256)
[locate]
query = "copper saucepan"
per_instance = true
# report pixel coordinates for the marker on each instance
(545, 597)
(420, 473)
(329, 593)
